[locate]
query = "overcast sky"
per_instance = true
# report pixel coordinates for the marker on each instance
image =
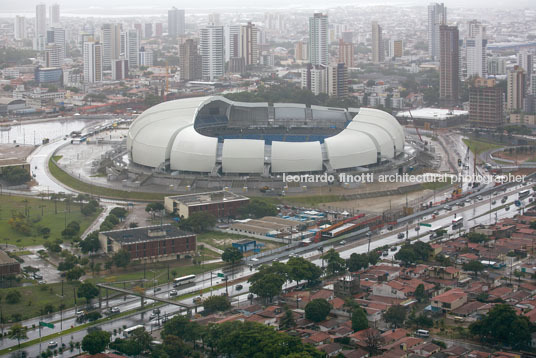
(77, 6)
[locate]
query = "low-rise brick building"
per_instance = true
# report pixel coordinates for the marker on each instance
(221, 204)
(149, 243)
(8, 265)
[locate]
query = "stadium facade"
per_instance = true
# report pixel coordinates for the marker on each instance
(214, 136)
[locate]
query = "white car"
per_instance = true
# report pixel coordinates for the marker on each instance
(115, 310)
(173, 293)
(52, 344)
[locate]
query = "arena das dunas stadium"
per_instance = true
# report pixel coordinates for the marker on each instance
(219, 137)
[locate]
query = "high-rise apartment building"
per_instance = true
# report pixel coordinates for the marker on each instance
(119, 69)
(475, 50)
(318, 39)
(130, 47)
(449, 66)
(525, 60)
(54, 13)
(56, 36)
(437, 16)
(111, 44)
(301, 52)
(53, 55)
(338, 80)
(212, 52)
(496, 66)
(378, 51)
(346, 53)
(396, 48)
(148, 30)
(40, 20)
(485, 104)
(515, 89)
(93, 58)
(232, 41)
(249, 48)
(190, 61)
(158, 29)
(20, 28)
(176, 22)
(146, 57)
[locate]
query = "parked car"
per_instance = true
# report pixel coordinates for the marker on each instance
(393, 248)
(400, 235)
(239, 287)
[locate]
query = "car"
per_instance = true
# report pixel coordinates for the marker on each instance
(385, 253)
(239, 287)
(198, 300)
(493, 202)
(115, 310)
(158, 289)
(400, 235)
(417, 228)
(37, 276)
(448, 208)
(80, 313)
(42, 282)
(393, 248)
(390, 227)
(507, 207)
(468, 201)
(173, 293)
(152, 316)
(342, 242)
(461, 203)
(436, 212)
(479, 197)
(52, 344)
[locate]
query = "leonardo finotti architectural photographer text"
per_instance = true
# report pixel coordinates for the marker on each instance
(401, 178)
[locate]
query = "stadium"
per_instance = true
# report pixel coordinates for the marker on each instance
(214, 136)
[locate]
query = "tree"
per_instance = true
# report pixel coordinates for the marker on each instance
(72, 230)
(359, 319)
(13, 297)
(300, 269)
(96, 341)
(287, 321)
(17, 332)
(198, 222)
(257, 208)
(232, 255)
(119, 213)
(121, 258)
(420, 294)
(266, 285)
(412, 253)
(215, 304)
(317, 310)
(91, 243)
(502, 324)
(88, 291)
(154, 207)
(335, 264)
(357, 262)
(395, 315)
(138, 342)
(474, 266)
(15, 175)
(174, 347)
(477, 238)
(75, 273)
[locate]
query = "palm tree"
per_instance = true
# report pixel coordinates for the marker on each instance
(17, 332)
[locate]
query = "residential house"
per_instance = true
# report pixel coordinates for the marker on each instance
(449, 300)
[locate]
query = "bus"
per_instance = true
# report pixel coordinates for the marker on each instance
(128, 331)
(457, 222)
(524, 193)
(422, 333)
(184, 280)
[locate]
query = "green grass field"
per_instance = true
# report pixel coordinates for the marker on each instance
(42, 214)
(99, 190)
(477, 146)
(35, 297)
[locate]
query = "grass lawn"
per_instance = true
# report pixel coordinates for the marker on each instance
(99, 190)
(477, 146)
(42, 214)
(312, 200)
(436, 185)
(160, 273)
(37, 296)
(207, 254)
